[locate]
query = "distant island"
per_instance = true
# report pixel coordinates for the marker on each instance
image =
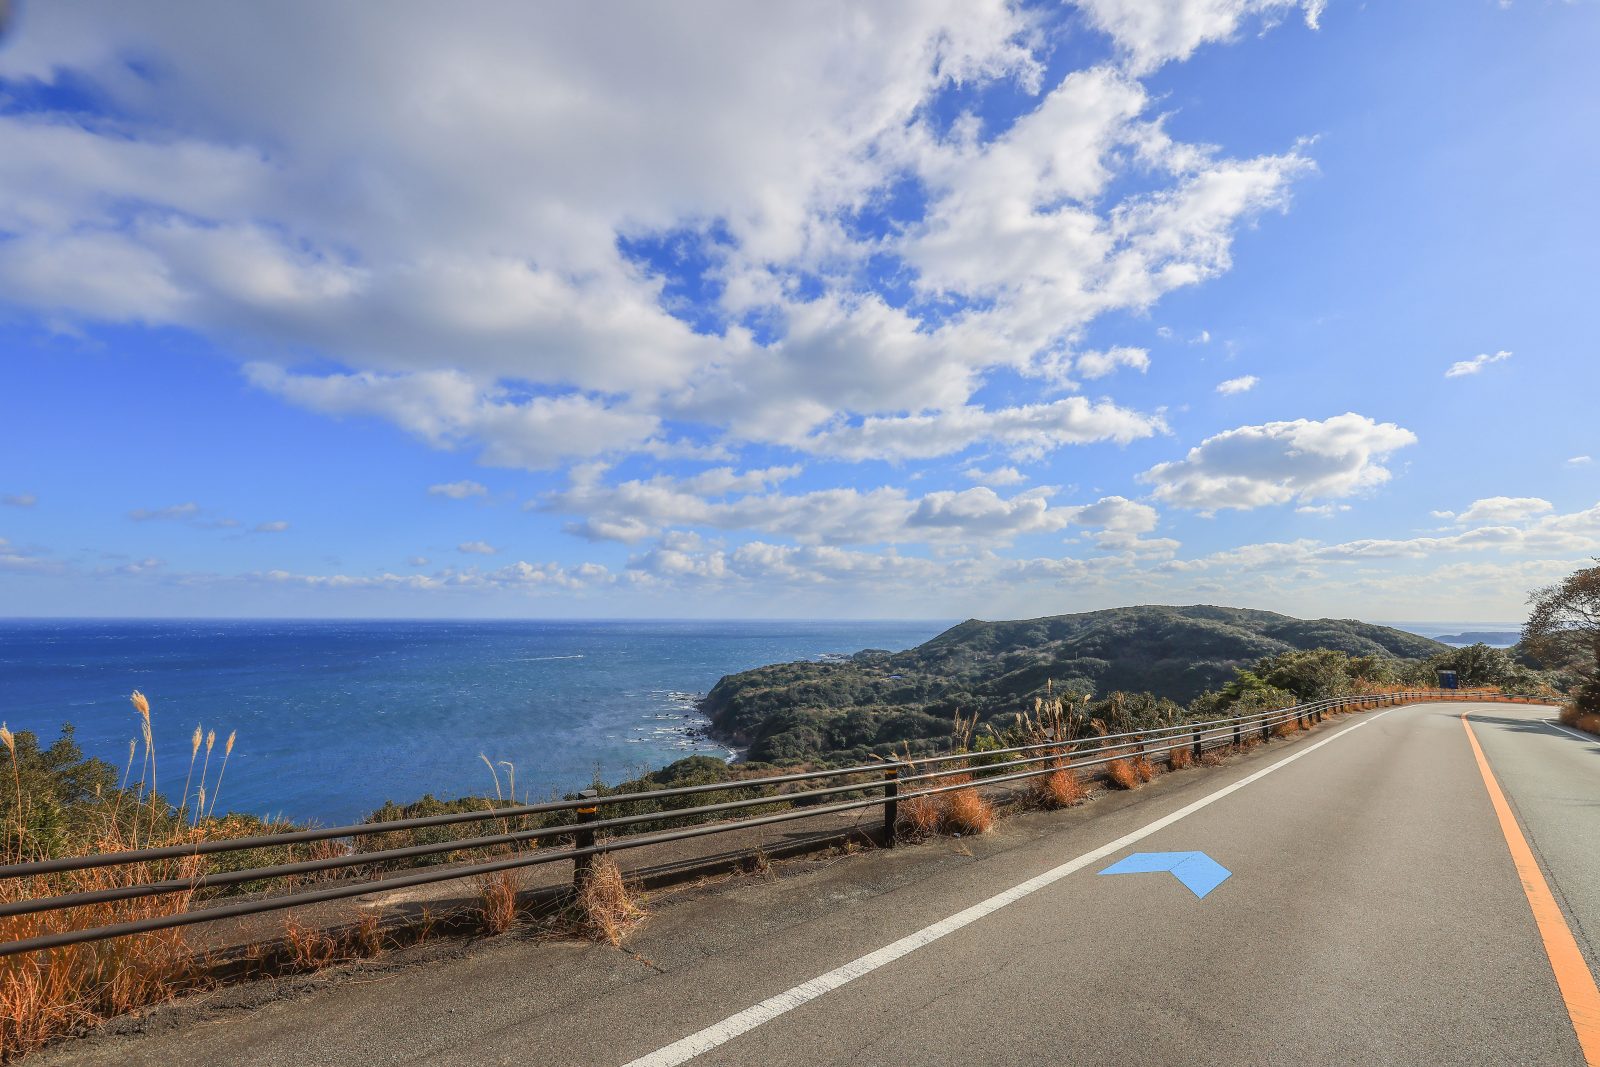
(1492, 638)
(873, 700)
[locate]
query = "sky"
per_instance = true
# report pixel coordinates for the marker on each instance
(934, 309)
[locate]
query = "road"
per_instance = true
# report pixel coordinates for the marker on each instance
(1374, 915)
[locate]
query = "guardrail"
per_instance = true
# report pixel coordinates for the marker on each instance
(886, 782)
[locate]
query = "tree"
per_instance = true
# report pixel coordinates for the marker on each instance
(1563, 632)
(1479, 665)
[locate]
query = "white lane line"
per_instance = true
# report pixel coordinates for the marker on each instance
(1572, 733)
(688, 1048)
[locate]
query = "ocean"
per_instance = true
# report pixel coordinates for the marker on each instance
(336, 717)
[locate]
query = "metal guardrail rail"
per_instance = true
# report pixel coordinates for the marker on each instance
(886, 781)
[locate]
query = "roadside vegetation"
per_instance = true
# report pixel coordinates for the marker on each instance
(60, 802)
(1563, 635)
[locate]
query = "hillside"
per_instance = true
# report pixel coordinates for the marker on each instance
(996, 668)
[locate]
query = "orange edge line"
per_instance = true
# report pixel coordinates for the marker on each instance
(1577, 985)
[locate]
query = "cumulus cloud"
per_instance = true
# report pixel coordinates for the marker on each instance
(1234, 386)
(1464, 367)
(997, 476)
(1280, 462)
(525, 308)
(448, 409)
(1152, 32)
(1502, 509)
(1028, 431)
(635, 510)
(1094, 365)
(19, 500)
(477, 548)
(459, 490)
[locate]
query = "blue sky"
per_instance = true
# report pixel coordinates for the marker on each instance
(914, 310)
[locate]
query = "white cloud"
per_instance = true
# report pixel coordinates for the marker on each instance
(14, 557)
(479, 548)
(1152, 32)
(19, 500)
(176, 511)
(635, 510)
(1326, 511)
(448, 409)
(1028, 431)
(277, 526)
(1093, 365)
(1475, 364)
(519, 577)
(982, 514)
(459, 490)
(997, 476)
(1280, 462)
(1503, 509)
(1579, 461)
(1234, 386)
(418, 561)
(316, 207)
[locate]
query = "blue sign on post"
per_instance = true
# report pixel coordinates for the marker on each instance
(1447, 679)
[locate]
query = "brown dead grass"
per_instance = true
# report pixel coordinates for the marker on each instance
(967, 812)
(1143, 767)
(1179, 758)
(368, 937)
(1060, 788)
(1285, 728)
(497, 901)
(1580, 720)
(918, 817)
(1122, 774)
(310, 948)
(1215, 757)
(606, 909)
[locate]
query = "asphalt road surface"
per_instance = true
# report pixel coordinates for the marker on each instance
(1374, 914)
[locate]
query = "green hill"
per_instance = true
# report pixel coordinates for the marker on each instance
(875, 698)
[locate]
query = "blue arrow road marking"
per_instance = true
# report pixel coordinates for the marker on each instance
(1196, 870)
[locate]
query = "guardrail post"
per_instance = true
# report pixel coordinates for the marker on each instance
(1266, 730)
(581, 865)
(891, 803)
(1238, 733)
(1197, 749)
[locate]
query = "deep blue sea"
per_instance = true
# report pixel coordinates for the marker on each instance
(336, 717)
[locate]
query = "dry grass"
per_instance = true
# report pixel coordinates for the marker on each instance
(759, 863)
(918, 817)
(1285, 728)
(1580, 720)
(1179, 758)
(606, 909)
(67, 990)
(966, 812)
(1215, 757)
(1143, 767)
(497, 901)
(1122, 774)
(368, 937)
(309, 948)
(1060, 788)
